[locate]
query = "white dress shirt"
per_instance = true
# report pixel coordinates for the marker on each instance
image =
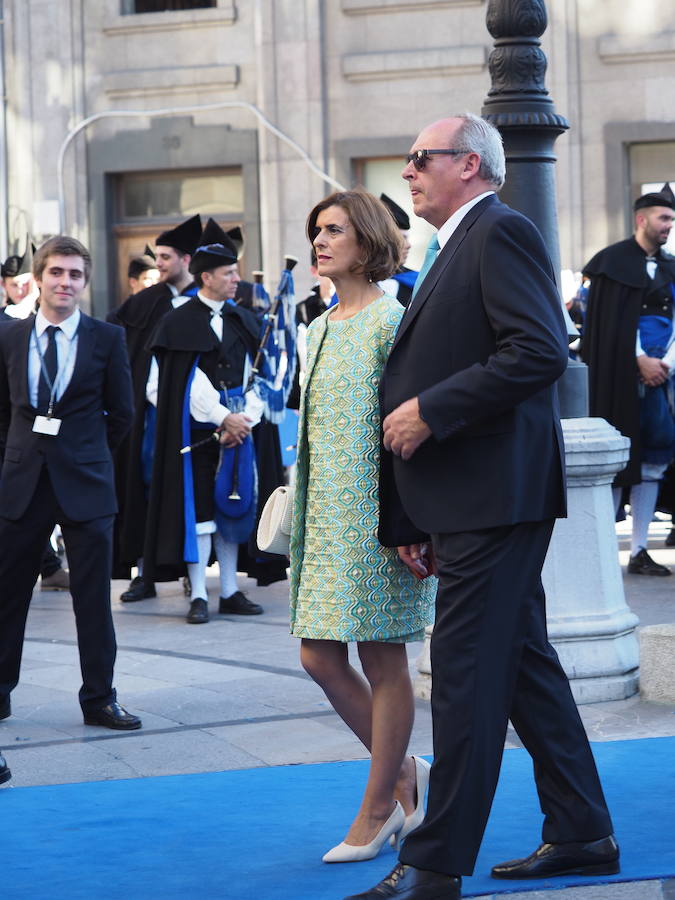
(66, 353)
(449, 227)
(205, 405)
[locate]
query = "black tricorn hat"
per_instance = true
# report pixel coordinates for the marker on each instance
(183, 237)
(10, 267)
(656, 198)
(667, 191)
(19, 265)
(215, 249)
(236, 235)
(138, 265)
(400, 215)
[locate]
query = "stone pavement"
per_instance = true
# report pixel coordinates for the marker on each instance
(232, 695)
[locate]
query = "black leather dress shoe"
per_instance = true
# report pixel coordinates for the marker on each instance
(238, 604)
(139, 589)
(670, 539)
(112, 716)
(643, 564)
(5, 774)
(408, 883)
(198, 613)
(5, 708)
(582, 858)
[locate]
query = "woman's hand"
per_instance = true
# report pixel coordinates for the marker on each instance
(418, 559)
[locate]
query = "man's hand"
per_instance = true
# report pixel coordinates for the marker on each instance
(234, 428)
(419, 559)
(652, 371)
(404, 429)
(227, 440)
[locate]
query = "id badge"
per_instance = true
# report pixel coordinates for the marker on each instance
(46, 425)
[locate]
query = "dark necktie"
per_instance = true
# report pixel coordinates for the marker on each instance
(51, 364)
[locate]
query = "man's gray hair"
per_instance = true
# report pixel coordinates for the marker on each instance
(476, 135)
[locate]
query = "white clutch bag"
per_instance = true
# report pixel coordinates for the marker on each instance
(274, 527)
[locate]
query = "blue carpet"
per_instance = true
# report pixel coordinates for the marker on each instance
(259, 834)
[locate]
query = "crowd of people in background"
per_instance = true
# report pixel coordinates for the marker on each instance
(151, 440)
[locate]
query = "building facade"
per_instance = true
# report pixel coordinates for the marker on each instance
(347, 82)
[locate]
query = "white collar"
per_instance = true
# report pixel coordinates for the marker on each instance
(68, 326)
(214, 305)
(447, 229)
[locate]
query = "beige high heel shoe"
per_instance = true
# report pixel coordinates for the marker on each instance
(357, 853)
(422, 770)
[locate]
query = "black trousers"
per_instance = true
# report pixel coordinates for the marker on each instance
(89, 549)
(491, 661)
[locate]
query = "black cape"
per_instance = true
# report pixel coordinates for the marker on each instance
(139, 316)
(179, 337)
(618, 281)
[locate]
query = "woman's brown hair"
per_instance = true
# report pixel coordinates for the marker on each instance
(376, 231)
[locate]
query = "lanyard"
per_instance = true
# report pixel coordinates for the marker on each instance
(60, 372)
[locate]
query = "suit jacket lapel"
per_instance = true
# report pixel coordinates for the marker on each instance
(22, 350)
(443, 260)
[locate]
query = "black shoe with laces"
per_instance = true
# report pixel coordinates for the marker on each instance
(408, 883)
(238, 604)
(139, 589)
(198, 613)
(643, 564)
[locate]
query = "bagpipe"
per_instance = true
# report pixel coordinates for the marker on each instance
(271, 377)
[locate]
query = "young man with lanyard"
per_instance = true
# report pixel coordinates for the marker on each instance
(203, 351)
(65, 403)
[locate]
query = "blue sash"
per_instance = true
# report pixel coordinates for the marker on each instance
(657, 426)
(406, 278)
(190, 553)
(235, 518)
(148, 444)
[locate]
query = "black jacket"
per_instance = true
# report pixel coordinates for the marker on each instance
(96, 412)
(482, 346)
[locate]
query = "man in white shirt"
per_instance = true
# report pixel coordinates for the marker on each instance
(472, 457)
(628, 347)
(204, 350)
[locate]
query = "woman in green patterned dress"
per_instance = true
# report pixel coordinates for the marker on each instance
(344, 585)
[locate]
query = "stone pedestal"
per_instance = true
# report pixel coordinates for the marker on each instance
(589, 623)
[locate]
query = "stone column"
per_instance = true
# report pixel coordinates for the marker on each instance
(589, 622)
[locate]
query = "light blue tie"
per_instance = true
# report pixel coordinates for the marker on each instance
(429, 260)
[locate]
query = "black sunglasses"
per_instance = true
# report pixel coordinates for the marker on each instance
(419, 157)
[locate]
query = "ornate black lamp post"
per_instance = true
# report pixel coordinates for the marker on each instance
(519, 105)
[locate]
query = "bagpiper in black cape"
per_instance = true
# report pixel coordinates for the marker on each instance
(180, 338)
(619, 283)
(139, 315)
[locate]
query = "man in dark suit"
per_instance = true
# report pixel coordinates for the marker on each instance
(65, 401)
(473, 457)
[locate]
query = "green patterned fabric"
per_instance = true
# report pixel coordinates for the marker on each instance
(344, 585)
